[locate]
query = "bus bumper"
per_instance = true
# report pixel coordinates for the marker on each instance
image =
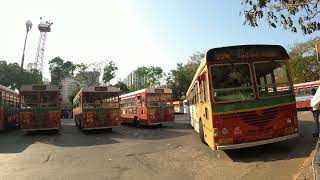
(39, 129)
(257, 143)
(106, 127)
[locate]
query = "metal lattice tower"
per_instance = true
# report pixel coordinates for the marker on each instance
(44, 28)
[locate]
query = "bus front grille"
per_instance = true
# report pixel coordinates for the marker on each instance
(259, 118)
(103, 118)
(40, 119)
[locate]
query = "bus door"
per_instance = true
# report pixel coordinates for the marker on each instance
(140, 104)
(204, 106)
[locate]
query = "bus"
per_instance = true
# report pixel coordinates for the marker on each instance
(40, 107)
(178, 107)
(150, 106)
(303, 93)
(242, 96)
(97, 107)
(9, 108)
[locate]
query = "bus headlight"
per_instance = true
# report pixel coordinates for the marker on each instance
(289, 121)
(215, 132)
(225, 131)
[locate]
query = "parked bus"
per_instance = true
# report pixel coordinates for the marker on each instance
(9, 108)
(235, 101)
(303, 93)
(178, 107)
(151, 106)
(40, 107)
(97, 107)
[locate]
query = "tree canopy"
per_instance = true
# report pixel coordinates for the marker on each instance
(179, 79)
(109, 72)
(303, 62)
(288, 14)
(11, 75)
(60, 69)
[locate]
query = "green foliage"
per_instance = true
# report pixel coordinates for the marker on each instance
(151, 76)
(288, 14)
(11, 75)
(179, 79)
(303, 62)
(109, 72)
(123, 87)
(60, 69)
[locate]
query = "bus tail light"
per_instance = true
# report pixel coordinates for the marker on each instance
(215, 132)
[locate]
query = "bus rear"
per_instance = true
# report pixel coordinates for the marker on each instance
(40, 107)
(98, 108)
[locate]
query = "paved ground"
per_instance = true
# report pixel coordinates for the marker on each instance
(169, 152)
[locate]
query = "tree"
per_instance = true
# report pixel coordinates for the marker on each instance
(109, 72)
(303, 62)
(60, 69)
(151, 76)
(12, 76)
(123, 87)
(289, 14)
(179, 79)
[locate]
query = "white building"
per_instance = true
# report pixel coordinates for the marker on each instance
(134, 80)
(68, 85)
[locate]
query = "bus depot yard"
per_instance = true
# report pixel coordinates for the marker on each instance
(172, 151)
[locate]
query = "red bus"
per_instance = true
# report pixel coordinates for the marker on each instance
(9, 108)
(151, 106)
(97, 107)
(40, 107)
(303, 93)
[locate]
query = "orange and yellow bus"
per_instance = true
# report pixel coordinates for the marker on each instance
(40, 107)
(150, 106)
(9, 108)
(97, 107)
(242, 96)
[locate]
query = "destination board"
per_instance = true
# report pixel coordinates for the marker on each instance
(100, 88)
(39, 87)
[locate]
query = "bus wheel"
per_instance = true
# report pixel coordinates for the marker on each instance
(136, 121)
(201, 133)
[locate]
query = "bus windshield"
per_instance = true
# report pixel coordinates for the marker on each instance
(272, 78)
(100, 100)
(157, 100)
(232, 82)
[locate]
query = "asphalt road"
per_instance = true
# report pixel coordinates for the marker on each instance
(169, 152)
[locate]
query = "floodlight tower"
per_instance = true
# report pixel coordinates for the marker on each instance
(44, 28)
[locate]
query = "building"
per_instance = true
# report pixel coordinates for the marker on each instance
(68, 86)
(133, 79)
(88, 78)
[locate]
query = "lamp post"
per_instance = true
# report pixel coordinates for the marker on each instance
(28, 27)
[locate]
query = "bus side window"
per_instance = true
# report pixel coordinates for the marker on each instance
(300, 91)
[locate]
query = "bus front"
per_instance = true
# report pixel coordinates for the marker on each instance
(253, 103)
(100, 110)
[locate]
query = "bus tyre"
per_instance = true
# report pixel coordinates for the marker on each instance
(136, 121)
(201, 133)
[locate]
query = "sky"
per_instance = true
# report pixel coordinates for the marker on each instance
(132, 33)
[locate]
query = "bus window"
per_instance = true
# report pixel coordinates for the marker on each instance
(300, 91)
(232, 82)
(308, 90)
(276, 75)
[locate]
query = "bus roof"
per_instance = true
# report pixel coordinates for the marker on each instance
(39, 87)
(241, 52)
(307, 83)
(148, 90)
(100, 89)
(110, 89)
(3, 89)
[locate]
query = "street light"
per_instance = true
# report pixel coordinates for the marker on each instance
(28, 27)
